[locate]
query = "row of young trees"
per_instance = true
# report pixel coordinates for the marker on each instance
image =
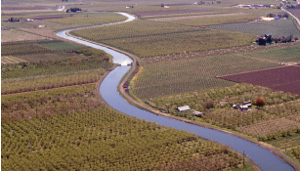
(72, 130)
(269, 109)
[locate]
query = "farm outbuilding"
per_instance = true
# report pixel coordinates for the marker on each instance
(197, 113)
(184, 108)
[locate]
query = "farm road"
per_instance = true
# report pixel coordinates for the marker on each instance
(297, 19)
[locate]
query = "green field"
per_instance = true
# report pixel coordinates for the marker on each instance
(289, 144)
(53, 118)
(278, 28)
(194, 74)
(89, 19)
(149, 38)
(215, 19)
(279, 118)
(289, 54)
(50, 64)
(60, 45)
(70, 129)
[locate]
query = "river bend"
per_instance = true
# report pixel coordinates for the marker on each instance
(265, 159)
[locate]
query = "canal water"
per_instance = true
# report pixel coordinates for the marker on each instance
(108, 90)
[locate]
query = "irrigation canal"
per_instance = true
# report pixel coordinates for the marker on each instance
(265, 159)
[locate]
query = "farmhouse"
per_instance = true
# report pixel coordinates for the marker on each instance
(184, 108)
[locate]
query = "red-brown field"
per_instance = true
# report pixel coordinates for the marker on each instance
(286, 79)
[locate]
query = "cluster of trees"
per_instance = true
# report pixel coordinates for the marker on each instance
(13, 20)
(296, 152)
(73, 131)
(74, 10)
(269, 39)
(283, 15)
(50, 105)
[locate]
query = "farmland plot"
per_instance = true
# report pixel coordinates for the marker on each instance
(277, 28)
(286, 79)
(89, 19)
(211, 19)
(18, 35)
(148, 38)
(11, 60)
(69, 129)
(187, 75)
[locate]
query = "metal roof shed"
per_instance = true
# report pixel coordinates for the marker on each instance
(183, 108)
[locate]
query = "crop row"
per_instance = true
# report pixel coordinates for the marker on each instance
(216, 19)
(277, 28)
(222, 97)
(138, 28)
(189, 75)
(91, 59)
(279, 118)
(89, 19)
(40, 83)
(146, 38)
(73, 131)
(25, 48)
(271, 129)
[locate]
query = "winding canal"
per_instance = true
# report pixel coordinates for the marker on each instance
(265, 159)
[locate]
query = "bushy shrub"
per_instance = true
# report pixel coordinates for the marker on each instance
(260, 102)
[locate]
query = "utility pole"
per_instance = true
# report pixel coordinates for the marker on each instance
(285, 145)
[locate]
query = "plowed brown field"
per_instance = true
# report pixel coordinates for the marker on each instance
(286, 79)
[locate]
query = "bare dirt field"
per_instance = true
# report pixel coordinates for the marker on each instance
(286, 79)
(14, 35)
(11, 60)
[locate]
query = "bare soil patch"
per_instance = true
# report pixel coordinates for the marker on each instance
(19, 35)
(11, 60)
(195, 16)
(286, 79)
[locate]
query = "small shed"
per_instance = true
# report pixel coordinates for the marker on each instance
(197, 113)
(184, 108)
(248, 104)
(235, 106)
(244, 107)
